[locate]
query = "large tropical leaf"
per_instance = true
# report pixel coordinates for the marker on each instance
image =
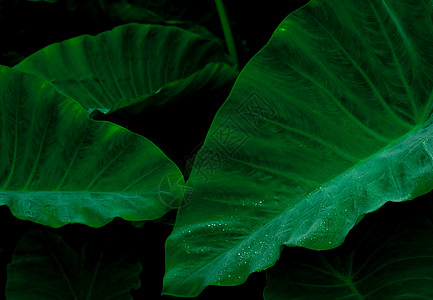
(211, 78)
(59, 167)
(329, 121)
(130, 62)
(390, 259)
(45, 267)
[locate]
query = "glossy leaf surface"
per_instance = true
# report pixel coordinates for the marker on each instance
(59, 167)
(126, 63)
(329, 121)
(45, 267)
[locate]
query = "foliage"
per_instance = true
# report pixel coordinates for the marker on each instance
(327, 123)
(389, 256)
(45, 267)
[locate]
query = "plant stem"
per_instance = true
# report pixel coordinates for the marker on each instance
(227, 32)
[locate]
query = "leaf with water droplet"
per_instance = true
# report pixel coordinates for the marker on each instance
(314, 108)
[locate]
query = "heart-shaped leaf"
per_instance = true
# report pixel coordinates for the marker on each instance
(59, 167)
(390, 259)
(329, 121)
(130, 62)
(45, 267)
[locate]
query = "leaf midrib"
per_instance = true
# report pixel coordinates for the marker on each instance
(355, 166)
(65, 277)
(255, 233)
(95, 276)
(346, 280)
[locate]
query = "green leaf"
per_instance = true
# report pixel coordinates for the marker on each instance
(59, 167)
(127, 63)
(392, 260)
(210, 79)
(44, 267)
(329, 121)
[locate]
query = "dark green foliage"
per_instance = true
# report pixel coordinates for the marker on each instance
(129, 135)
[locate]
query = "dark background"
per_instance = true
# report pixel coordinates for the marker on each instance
(26, 27)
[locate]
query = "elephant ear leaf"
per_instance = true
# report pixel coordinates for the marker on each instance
(129, 64)
(329, 121)
(391, 259)
(59, 167)
(44, 267)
